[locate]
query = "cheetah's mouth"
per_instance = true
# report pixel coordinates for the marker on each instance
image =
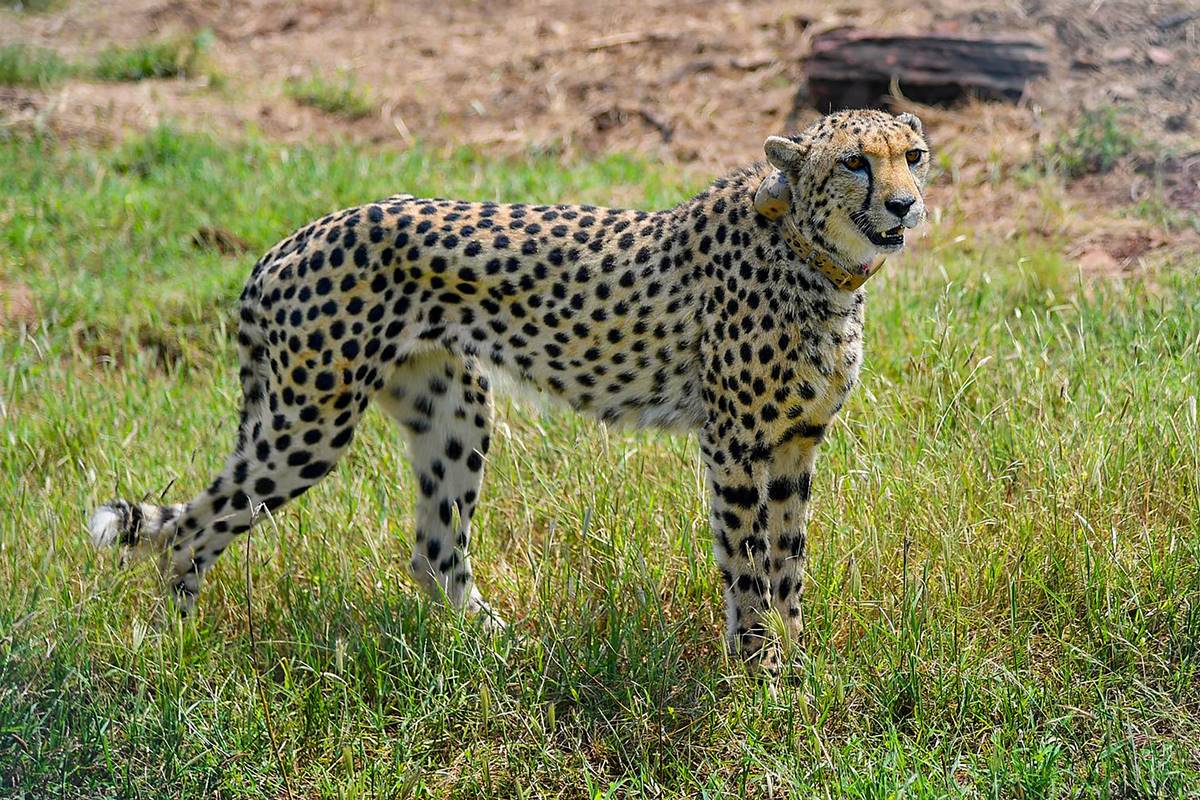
(892, 237)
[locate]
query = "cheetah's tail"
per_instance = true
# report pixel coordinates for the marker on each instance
(136, 527)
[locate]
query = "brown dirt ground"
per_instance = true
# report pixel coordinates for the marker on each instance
(694, 83)
(17, 306)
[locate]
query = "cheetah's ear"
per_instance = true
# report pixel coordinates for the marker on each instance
(912, 121)
(785, 154)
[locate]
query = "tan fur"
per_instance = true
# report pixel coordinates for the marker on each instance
(698, 317)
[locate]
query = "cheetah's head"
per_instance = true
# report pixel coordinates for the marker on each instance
(856, 179)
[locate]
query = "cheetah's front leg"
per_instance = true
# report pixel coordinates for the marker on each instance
(788, 491)
(739, 516)
(759, 513)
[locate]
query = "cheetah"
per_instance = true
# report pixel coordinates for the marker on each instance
(737, 314)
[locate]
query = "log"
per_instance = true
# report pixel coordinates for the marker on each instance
(855, 69)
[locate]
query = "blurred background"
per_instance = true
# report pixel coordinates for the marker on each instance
(1113, 87)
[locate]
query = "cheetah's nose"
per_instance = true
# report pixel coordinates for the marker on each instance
(899, 205)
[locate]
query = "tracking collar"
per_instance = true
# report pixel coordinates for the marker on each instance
(773, 200)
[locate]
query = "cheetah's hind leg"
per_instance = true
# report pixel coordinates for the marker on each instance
(444, 404)
(283, 449)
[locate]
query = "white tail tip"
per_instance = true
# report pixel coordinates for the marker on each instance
(105, 527)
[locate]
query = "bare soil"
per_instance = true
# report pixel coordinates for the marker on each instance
(689, 82)
(17, 306)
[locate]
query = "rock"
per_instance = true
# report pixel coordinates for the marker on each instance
(1159, 55)
(856, 68)
(1119, 55)
(1122, 91)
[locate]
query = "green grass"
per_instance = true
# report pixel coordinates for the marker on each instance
(342, 97)
(1095, 144)
(168, 58)
(34, 66)
(1005, 553)
(31, 6)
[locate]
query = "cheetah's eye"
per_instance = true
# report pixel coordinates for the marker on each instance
(854, 163)
(914, 156)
